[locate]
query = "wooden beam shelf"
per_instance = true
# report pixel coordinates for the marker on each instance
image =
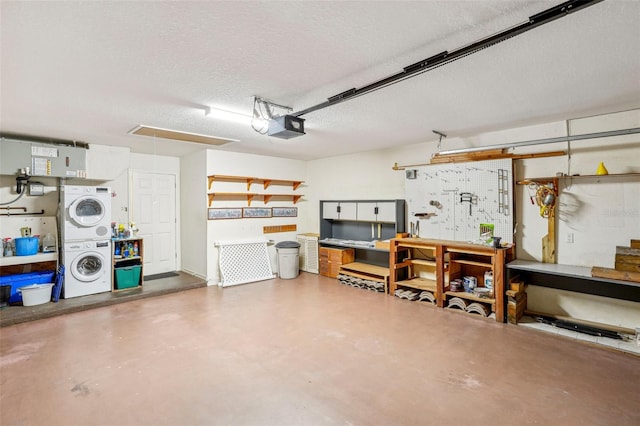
(249, 197)
(551, 178)
(266, 182)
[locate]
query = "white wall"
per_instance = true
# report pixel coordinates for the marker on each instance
(235, 164)
(193, 207)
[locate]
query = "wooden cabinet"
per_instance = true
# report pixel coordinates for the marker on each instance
(127, 263)
(331, 259)
(431, 265)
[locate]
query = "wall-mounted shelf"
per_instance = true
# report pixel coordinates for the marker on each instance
(249, 197)
(563, 177)
(266, 182)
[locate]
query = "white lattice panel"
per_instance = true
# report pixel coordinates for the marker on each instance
(244, 262)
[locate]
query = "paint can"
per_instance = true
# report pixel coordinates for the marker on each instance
(456, 285)
(469, 283)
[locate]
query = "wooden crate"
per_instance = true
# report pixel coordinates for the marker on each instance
(516, 305)
(627, 259)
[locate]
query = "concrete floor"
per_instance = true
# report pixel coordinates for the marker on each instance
(304, 352)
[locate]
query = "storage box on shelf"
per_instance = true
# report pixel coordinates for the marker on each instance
(431, 265)
(127, 263)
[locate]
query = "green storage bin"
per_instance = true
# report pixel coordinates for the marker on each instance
(128, 276)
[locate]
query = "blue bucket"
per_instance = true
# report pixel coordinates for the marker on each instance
(26, 246)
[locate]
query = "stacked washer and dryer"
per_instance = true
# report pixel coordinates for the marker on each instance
(85, 222)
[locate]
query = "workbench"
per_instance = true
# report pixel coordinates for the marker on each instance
(572, 278)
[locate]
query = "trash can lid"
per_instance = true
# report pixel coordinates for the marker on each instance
(288, 244)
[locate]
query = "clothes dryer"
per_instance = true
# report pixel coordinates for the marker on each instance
(85, 212)
(87, 267)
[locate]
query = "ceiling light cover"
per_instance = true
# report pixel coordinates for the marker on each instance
(176, 135)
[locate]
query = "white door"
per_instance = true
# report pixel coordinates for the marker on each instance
(153, 209)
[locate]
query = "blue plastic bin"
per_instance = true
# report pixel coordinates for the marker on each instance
(20, 280)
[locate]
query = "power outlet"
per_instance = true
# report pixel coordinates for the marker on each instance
(570, 238)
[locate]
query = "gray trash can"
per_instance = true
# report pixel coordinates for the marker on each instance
(288, 259)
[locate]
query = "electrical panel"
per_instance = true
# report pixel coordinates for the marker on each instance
(42, 159)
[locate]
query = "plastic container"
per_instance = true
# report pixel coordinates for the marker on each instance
(127, 276)
(20, 280)
(48, 244)
(488, 281)
(288, 259)
(26, 246)
(36, 294)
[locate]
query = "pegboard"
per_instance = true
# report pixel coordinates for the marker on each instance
(454, 200)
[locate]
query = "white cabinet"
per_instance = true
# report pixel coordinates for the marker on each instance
(367, 211)
(339, 210)
(381, 211)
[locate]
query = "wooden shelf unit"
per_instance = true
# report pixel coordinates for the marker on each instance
(550, 179)
(266, 182)
(249, 197)
(448, 260)
(126, 261)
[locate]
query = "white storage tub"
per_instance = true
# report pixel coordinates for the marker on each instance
(36, 294)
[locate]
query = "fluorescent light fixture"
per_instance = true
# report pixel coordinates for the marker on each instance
(234, 117)
(175, 135)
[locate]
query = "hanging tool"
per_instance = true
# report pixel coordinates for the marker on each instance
(503, 191)
(546, 199)
(467, 197)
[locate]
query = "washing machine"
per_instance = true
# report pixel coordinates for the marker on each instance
(87, 267)
(85, 212)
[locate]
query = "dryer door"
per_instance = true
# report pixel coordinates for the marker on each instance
(87, 211)
(88, 266)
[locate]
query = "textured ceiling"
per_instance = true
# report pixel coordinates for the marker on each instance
(92, 71)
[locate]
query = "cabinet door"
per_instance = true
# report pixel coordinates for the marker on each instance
(386, 211)
(330, 210)
(367, 212)
(348, 211)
